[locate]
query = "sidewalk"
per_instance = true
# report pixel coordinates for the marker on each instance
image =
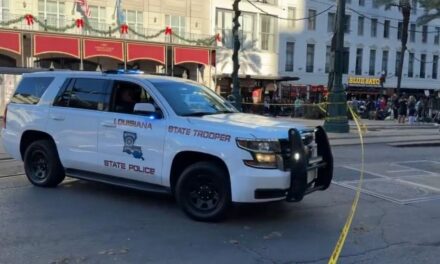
(378, 132)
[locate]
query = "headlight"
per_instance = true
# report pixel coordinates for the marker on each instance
(259, 145)
(265, 153)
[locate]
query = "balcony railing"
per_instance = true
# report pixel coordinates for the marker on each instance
(98, 29)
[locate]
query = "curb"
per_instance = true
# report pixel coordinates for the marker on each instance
(408, 142)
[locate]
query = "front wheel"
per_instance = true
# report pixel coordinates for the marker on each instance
(42, 165)
(203, 191)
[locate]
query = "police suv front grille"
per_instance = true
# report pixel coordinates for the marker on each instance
(308, 138)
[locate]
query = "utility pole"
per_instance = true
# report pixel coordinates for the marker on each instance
(235, 59)
(337, 120)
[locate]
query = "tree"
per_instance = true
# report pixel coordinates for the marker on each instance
(405, 8)
(235, 59)
(432, 11)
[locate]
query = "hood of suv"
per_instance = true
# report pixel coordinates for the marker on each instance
(254, 125)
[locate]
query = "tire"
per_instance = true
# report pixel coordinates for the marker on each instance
(203, 191)
(42, 164)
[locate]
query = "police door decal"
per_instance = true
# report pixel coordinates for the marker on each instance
(130, 148)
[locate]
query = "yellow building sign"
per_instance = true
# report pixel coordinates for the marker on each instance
(363, 81)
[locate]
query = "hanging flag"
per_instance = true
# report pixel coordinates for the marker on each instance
(83, 7)
(119, 12)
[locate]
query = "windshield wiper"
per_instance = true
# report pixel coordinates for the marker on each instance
(199, 114)
(225, 112)
(208, 113)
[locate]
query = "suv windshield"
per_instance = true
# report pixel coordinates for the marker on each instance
(189, 99)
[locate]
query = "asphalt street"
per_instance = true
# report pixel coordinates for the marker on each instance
(81, 222)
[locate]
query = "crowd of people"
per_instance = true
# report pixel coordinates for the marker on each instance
(402, 108)
(409, 109)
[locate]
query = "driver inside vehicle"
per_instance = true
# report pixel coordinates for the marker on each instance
(126, 98)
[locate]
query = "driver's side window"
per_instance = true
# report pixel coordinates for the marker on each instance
(126, 94)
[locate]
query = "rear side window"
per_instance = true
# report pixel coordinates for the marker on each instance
(85, 93)
(30, 90)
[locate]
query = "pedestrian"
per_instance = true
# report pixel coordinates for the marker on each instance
(371, 108)
(411, 110)
(275, 106)
(403, 108)
(266, 104)
(298, 107)
(395, 105)
(419, 109)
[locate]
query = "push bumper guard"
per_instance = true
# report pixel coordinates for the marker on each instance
(301, 164)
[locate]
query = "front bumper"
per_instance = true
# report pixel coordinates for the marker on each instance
(301, 165)
(293, 181)
(309, 162)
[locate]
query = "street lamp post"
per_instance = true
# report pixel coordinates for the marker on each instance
(337, 120)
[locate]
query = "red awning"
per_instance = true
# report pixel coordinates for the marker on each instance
(141, 51)
(48, 44)
(103, 48)
(191, 55)
(10, 41)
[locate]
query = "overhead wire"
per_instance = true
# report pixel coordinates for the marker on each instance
(289, 19)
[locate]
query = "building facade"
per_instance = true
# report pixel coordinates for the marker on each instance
(280, 39)
(298, 44)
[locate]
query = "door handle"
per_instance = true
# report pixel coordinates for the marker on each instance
(57, 117)
(108, 124)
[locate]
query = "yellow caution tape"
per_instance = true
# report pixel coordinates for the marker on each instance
(341, 241)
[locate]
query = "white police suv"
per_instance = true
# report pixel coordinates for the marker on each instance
(160, 134)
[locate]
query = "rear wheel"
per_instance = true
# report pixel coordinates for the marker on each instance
(42, 165)
(203, 191)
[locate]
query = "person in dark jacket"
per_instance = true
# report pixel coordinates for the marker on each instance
(403, 109)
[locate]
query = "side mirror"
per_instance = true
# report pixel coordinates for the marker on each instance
(147, 109)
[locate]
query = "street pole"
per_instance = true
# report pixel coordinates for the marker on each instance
(235, 59)
(337, 120)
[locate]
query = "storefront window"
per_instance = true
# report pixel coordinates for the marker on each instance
(422, 65)
(97, 17)
(291, 15)
(412, 33)
(372, 68)
(310, 57)
(411, 65)
(435, 67)
(267, 33)
(135, 19)
(374, 27)
(359, 53)
(4, 10)
(361, 20)
(328, 58)
(311, 20)
(247, 30)
(386, 29)
(290, 51)
(178, 24)
(396, 70)
(385, 54)
(52, 12)
(224, 26)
